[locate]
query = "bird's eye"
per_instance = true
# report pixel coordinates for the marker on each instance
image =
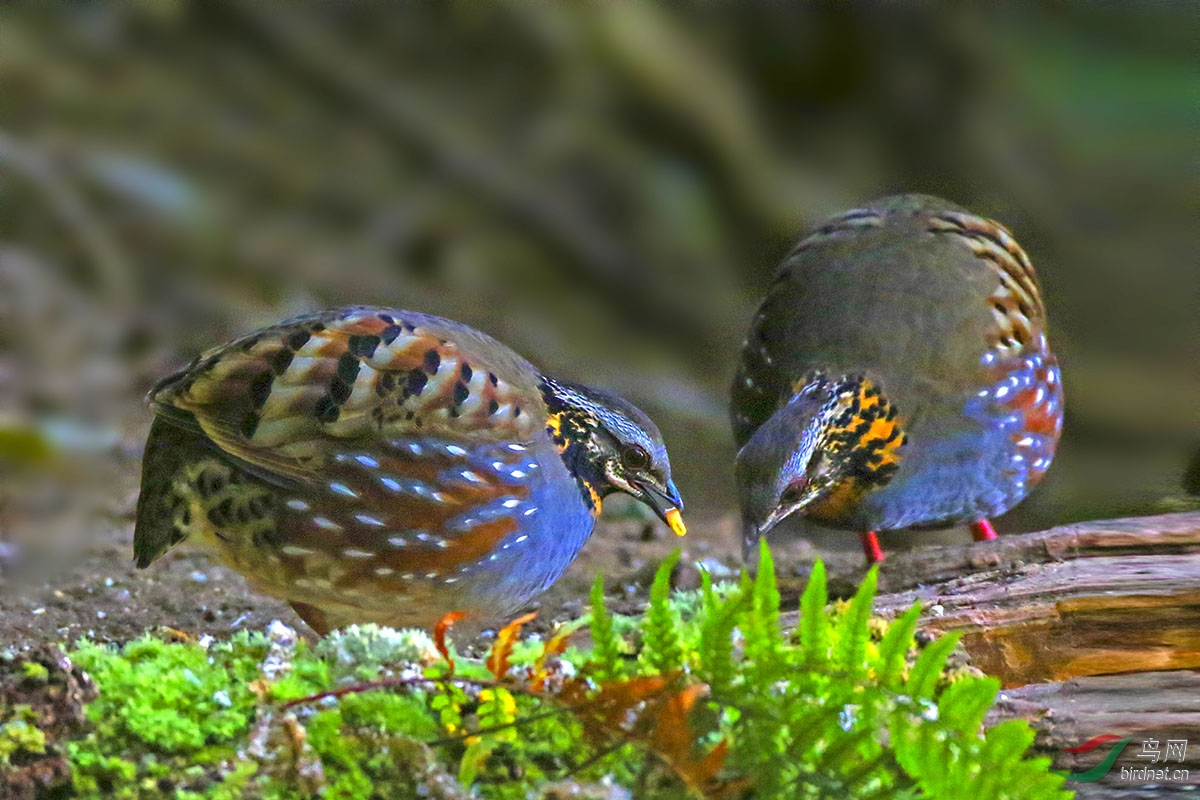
(635, 458)
(793, 494)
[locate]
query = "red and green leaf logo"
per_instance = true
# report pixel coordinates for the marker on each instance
(1104, 767)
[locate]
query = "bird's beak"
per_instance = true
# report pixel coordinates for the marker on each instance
(751, 532)
(666, 503)
(750, 536)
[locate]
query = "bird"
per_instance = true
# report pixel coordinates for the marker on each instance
(896, 375)
(378, 465)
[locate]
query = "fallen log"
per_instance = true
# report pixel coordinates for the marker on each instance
(1093, 598)
(1092, 628)
(1155, 708)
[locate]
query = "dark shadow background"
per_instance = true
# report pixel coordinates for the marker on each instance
(607, 188)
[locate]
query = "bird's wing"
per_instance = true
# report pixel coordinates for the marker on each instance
(288, 399)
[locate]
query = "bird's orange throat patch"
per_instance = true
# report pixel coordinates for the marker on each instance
(863, 440)
(836, 506)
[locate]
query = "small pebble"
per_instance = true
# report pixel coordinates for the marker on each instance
(715, 568)
(198, 577)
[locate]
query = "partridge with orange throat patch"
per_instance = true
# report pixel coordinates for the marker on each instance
(897, 375)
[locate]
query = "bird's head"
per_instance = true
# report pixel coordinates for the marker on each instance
(830, 443)
(610, 445)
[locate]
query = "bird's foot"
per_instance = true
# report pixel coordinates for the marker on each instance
(871, 548)
(982, 531)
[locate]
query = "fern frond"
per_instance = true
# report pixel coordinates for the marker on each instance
(662, 648)
(964, 703)
(607, 650)
(852, 630)
(717, 666)
(895, 646)
(766, 591)
(925, 673)
(815, 637)
(764, 641)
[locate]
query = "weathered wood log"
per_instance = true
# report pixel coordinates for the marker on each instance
(1081, 623)
(1153, 707)
(1093, 598)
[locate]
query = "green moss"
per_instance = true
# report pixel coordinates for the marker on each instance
(20, 736)
(35, 672)
(702, 692)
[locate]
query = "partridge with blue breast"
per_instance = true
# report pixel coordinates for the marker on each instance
(897, 375)
(377, 465)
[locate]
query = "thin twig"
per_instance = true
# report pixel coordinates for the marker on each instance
(497, 728)
(390, 683)
(595, 757)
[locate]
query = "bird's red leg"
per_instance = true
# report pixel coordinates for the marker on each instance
(870, 544)
(982, 531)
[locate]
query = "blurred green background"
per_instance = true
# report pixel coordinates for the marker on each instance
(607, 188)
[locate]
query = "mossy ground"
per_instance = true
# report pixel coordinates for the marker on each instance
(701, 696)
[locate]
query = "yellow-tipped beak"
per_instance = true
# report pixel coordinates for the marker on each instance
(675, 520)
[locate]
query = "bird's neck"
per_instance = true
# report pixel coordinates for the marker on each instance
(571, 424)
(860, 433)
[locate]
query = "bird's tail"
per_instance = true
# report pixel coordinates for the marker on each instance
(162, 506)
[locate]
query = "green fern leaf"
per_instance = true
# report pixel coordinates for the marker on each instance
(964, 704)
(662, 648)
(707, 596)
(848, 751)
(1007, 774)
(764, 641)
(925, 673)
(814, 625)
(1007, 741)
(852, 630)
(607, 652)
(895, 646)
(766, 591)
(716, 639)
(810, 727)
